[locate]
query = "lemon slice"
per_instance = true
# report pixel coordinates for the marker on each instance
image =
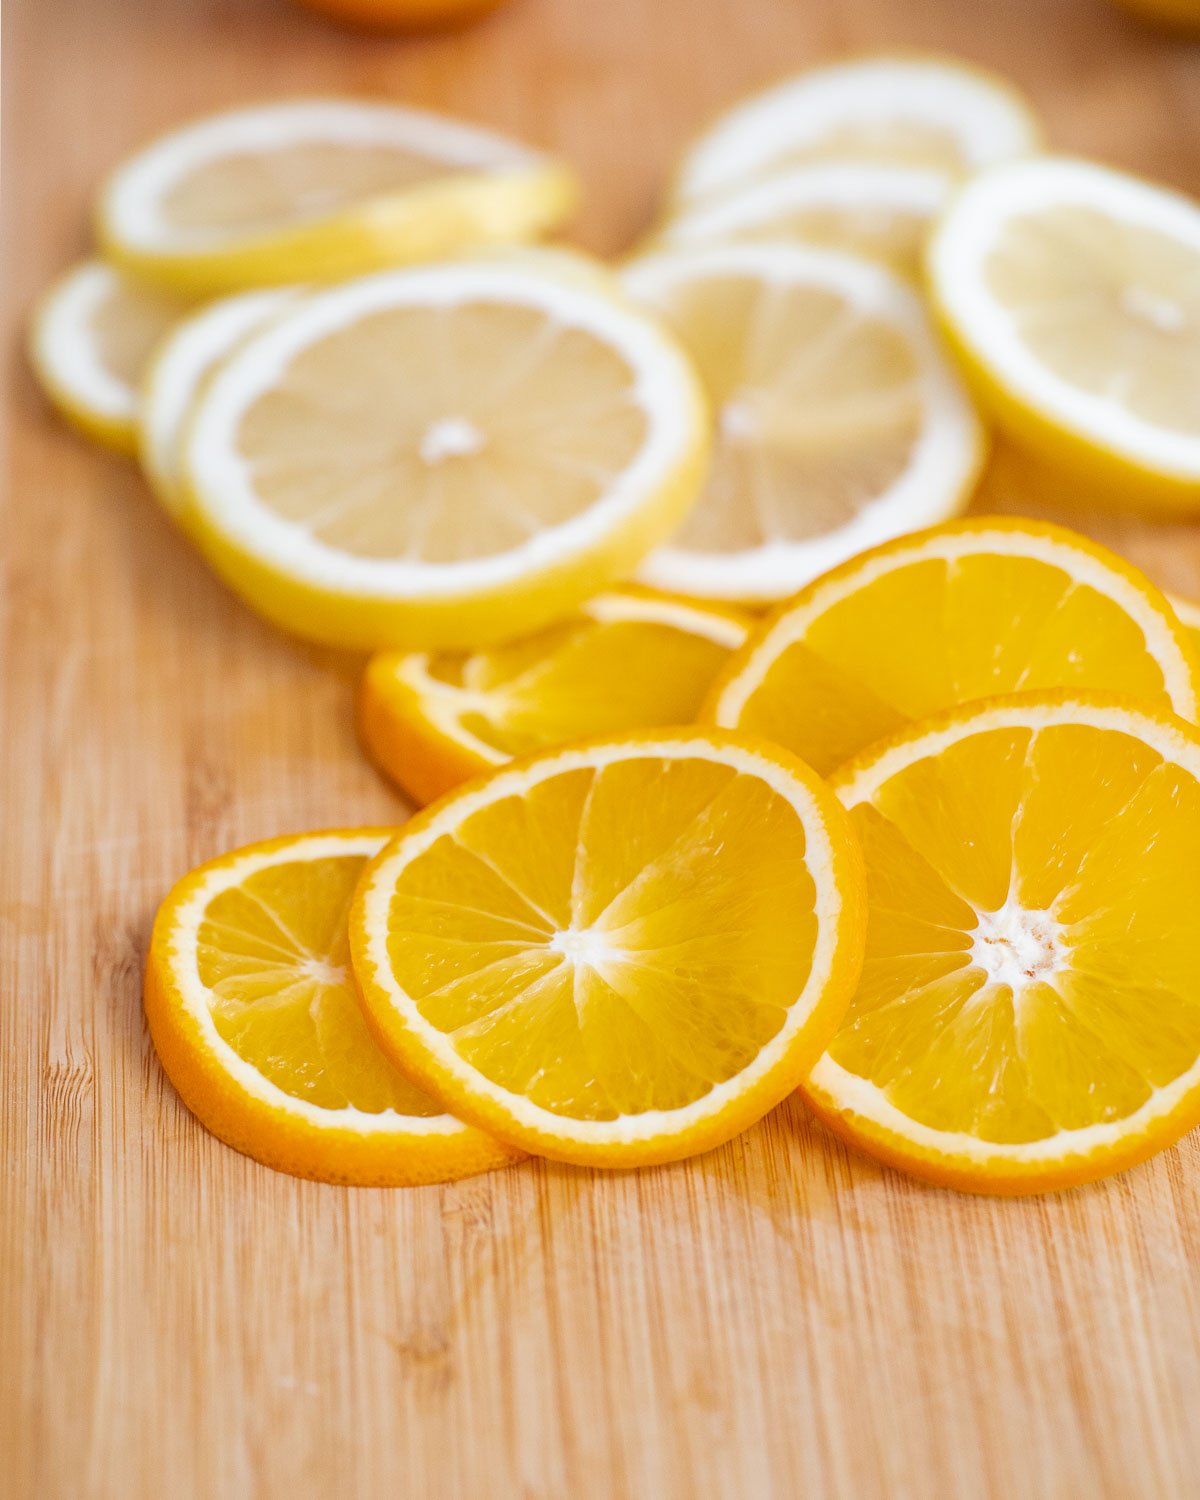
(253, 1012)
(903, 111)
(1029, 1011)
(321, 188)
(92, 335)
(182, 362)
(629, 659)
(839, 422)
(449, 456)
(882, 212)
(1188, 613)
(617, 953)
(960, 612)
(1072, 294)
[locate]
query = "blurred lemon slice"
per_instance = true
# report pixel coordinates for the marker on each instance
(92, 336)
(909, 111)
(839, 421)
(450, 456)
(1072, 294)
(321, 188)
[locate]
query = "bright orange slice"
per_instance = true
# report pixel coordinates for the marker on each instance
(617, 953)
(1029, 1011)
(959, 612)
(629, 659)
(253, 1012)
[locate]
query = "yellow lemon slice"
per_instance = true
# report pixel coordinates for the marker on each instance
(902, 110)
(182, 362)
(443, 457)
(963, 611)
(1189, 617)
(1029, 1011)
(617, 953)
(839, 422)
(321, 188)
(882, 212)
(629, 659)
(91, 338)
(253, 1012)
(1072, 295)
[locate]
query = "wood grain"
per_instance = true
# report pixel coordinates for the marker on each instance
(774, 1319)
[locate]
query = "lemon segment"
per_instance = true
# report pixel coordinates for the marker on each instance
(963, 611)
(839, 422)
(881, 212)
(318, 189)
(182, 362)
(444, 457)
(1071, 293)
(90, 341)
(903, 111)
(619, 952)
(1029, 1010)
(627, 659)
(253, 1011)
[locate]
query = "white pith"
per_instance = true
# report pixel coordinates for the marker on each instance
(132, 201)
(377, 892)
(66, 349)
(220, 479)
(850, 1094)
(958, 255)
(196, 997)
(932, 488)
(1081, 565)
(989, 122)
(181, 364)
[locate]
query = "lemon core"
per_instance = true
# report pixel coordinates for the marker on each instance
(1016, 946)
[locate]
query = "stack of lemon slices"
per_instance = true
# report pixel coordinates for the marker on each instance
(919, 843)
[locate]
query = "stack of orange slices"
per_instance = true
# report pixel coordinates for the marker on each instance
(919, 843)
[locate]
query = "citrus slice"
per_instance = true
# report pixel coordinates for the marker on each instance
(963, 611)
(839, 422)
(449, 456)
(629, 659)
(1029, 1011)
(92, 335)
(617, 953)
(882, 212)
(321, 188)
(1072, 294)
(903, 111)
(253, 1012)
(1188, 613)
(182, 362)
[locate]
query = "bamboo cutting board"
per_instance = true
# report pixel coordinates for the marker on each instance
(777, 1318)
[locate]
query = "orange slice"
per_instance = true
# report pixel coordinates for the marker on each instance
(617, 953)
(1029, 1011)
(629, 659)
(253, 1012)
(959, 612)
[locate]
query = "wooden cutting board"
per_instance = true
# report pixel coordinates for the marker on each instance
(775, 1319)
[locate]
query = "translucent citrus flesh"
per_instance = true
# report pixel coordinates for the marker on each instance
(127, 325)
(584, 677)
(1031, 952)
(439, 435)
(887, 233)
(1111, 307)
(933, 633)
(898, 142)
(818, 409)
(614, 940)
(273, 951)
(259, 191)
